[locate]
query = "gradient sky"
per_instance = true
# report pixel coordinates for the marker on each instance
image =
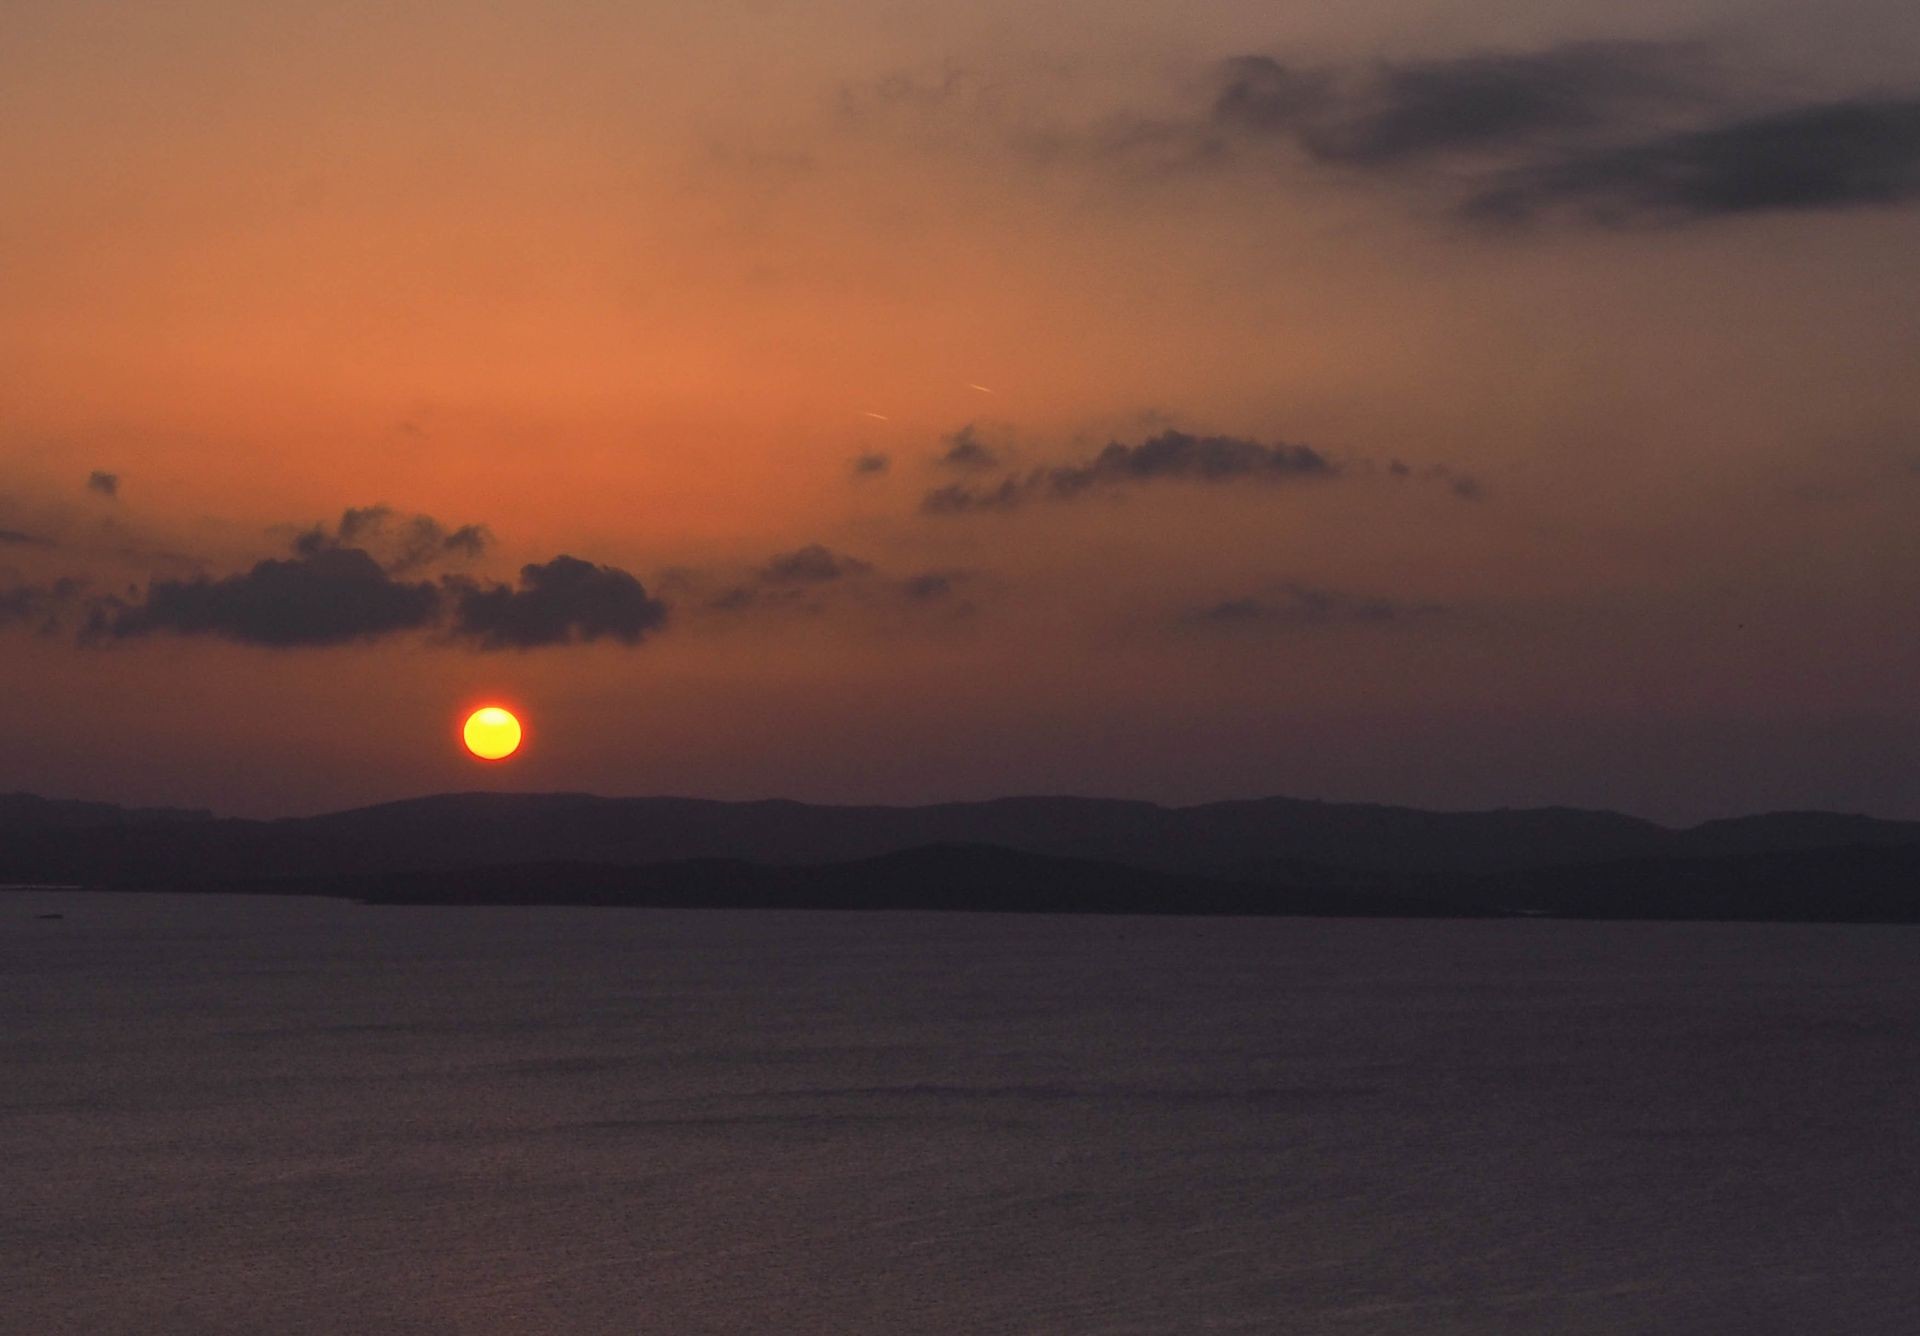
(1445, 403)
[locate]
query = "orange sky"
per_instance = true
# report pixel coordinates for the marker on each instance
(631, 284)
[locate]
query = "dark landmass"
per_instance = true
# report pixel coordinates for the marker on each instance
(1061, 855)
(938, 877)
(26, 811)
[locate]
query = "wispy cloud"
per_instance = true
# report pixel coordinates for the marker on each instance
(1170, 455)
(1295, 607)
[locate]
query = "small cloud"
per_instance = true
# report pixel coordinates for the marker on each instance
(812, 564)
(17, 538)
(469, 540)
(1463, 485)
(815, 580)
(966, 452)
(400, 542)
(104, 484)
(931, 586)
(1293, 606)
(870, 465)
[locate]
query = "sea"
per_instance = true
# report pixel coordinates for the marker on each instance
(258, 1115)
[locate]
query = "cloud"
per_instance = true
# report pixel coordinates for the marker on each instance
(870, 465)
(1175, 454)
(1601, 132)
(816, 580)
(1462, 484)
(16, 538)
(42, 602)
(791, 578)
(1835, 155)
(931, 586)
(1292, 606)
(105, 484)
(331, 592)
(967, 452)
(1596, 132)
(812, 564)
(955, 499)
(402, 543)
(1402, 111)
(1170, 455)
(330, 596)
(563, 601)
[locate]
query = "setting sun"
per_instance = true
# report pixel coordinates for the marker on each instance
(491, 733)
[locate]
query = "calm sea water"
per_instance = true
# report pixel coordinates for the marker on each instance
(233, 1115)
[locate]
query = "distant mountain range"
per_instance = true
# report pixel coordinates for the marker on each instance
(1272, 855)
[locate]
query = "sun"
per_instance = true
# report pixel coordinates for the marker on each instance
(491, 733)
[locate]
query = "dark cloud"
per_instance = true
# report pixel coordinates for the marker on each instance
(402, 543)
(1462, 484)
(1175, 454)
(1597, 132)
(42, 603)
(1836, 155)
(870, 465)
(333, 590)
(1168, 455)
(816, 580)
(1606, 132)
(955, 499)
(737, 599)
(812, 564)
(329, 596)
(1260, 95)
(106, 484)
(791, 579)
(1293, 606)
(930, 586)
(16, 538)
(1399, 112)
(563, 601)
(967, 452)
(469, 540)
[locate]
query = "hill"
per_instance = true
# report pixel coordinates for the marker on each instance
(1264, 855)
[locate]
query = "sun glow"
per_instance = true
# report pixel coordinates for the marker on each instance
(491, 733)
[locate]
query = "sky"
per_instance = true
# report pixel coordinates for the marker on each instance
(1454, 404)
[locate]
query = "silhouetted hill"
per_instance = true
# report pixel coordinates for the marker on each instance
(938, 877)
(1522, 859)
(1857, 884)
(21, 812)
(1778, 832)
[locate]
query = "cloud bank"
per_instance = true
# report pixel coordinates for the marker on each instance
(350, 584)
(1607, 132)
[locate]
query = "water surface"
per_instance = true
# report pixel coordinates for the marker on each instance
(305, 1116)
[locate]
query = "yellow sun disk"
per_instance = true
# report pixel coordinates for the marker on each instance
(492, 734)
